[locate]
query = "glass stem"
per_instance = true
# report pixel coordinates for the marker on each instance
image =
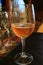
(23, 46)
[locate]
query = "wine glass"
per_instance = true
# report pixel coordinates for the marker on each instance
(22, 25)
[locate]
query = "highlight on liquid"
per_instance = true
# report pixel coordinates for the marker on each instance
(22, 29)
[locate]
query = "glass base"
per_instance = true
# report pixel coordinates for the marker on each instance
(23, 59)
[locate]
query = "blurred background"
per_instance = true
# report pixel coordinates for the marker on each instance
(38, 4)
(6, 5)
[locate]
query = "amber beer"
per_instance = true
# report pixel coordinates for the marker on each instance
(22, 30)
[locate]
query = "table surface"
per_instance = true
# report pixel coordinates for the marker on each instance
(34, 46)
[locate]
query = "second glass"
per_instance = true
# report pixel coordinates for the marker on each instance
(22, 25)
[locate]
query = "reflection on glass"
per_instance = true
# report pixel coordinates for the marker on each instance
(23, 25)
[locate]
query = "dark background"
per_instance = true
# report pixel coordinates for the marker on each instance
(34, 46)
(38, 4)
